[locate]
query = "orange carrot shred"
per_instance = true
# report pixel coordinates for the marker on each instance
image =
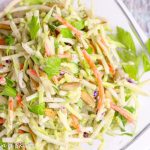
(111, 69)
(19, 100)
(2, 81)
(47, 48)
(2, 121)
(2, 42)
(98, 77)
(64, 22)
(21, 66)
(10, 104)
(33, 72)
(21, 132)
(122, 111)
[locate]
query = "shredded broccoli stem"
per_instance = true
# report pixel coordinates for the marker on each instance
(57, 62)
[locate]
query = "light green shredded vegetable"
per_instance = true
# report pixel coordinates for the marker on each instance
(66, 77)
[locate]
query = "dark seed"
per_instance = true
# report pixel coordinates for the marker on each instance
(85, 135)
(8, 61)
(130, 80)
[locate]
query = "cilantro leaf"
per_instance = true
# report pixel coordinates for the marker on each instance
(130, 109)
(66, 33)
(90, 50)
(132, 69)
(9, 82)
(34, 26)
(9, 91)
(126, 55)
(10, 40)
(38, 109)
(126, 39)
(146, 62)
(148, 45)
(52, 66)
(79, 24)
(131, 60)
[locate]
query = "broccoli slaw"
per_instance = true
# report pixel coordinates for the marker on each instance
(65, 77)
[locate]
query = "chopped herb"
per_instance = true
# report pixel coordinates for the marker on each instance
(78, 24)
(10, 40)
(130, 109)
(90, 50)
(38, 109)
(10, 82)
(34, 27)
(132, 69)
(9, 91)
(52, 66)
(66, 33)
(148, 45)
(126, 39)
(131, 62)
(146, 62)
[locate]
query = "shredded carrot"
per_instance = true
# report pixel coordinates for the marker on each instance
(2, 121)
(90, 62)
(19, 100)
(65, 55)
(75, 123)
(122, 111)
(11, 105)
(47, 48)
(21, 66)
(1, 65)
(33, 72)
(98, 77)
(111, 69)
(64, 22)
(2, 42)
(104, 46)
(21, 132)
(2, 81)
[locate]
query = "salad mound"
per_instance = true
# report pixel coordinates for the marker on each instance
(66, 77)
